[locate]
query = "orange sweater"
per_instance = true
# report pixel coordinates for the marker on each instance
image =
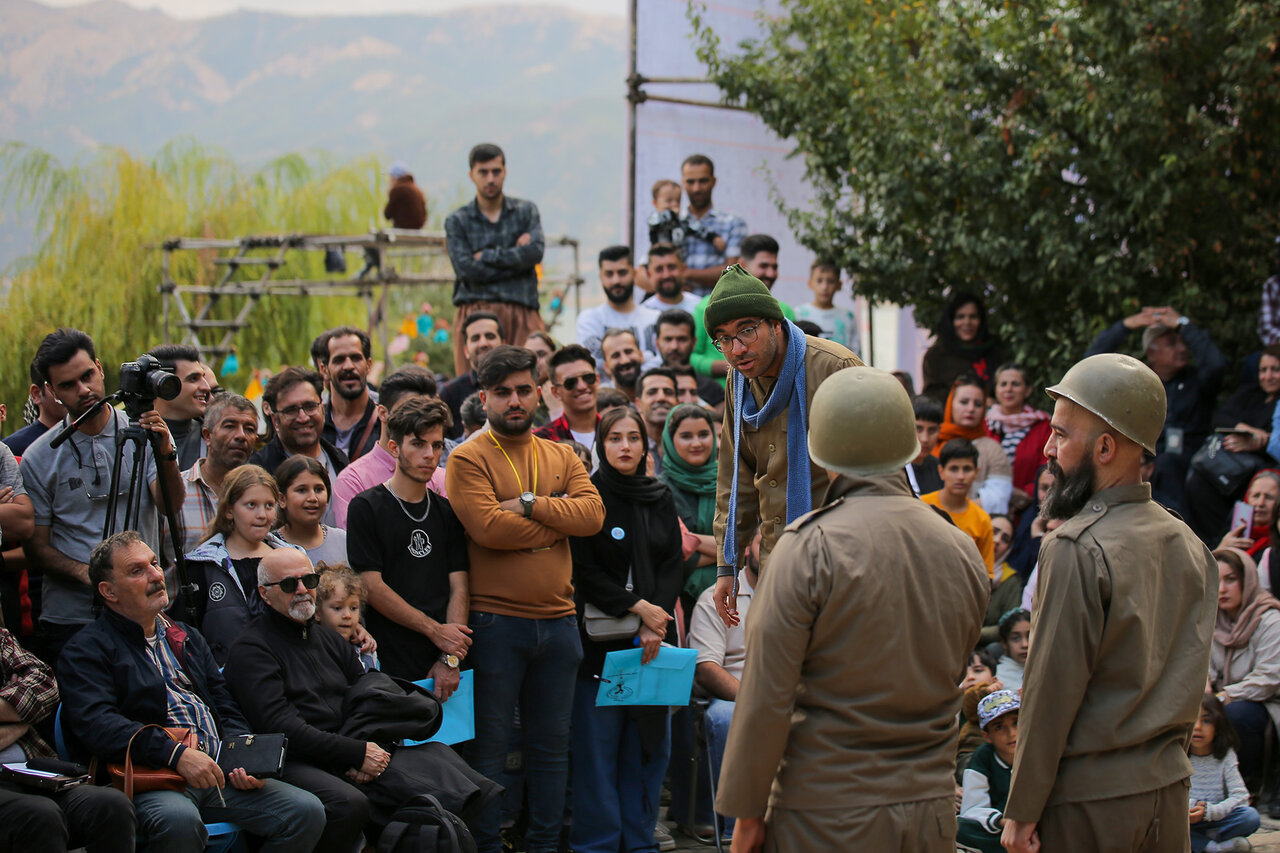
(521, 566)
(974, 521)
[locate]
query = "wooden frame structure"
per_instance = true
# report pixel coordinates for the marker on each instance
(385, 251)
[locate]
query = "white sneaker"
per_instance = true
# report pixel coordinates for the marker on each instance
(663, 837)
(1231, 844)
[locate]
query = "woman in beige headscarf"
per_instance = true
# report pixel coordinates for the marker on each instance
(1244, 666)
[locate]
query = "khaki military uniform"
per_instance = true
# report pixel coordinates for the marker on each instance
(1120, 634)
(845, 724)
(762, 481)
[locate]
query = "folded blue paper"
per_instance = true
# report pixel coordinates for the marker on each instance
(665, 680)
(459, 712)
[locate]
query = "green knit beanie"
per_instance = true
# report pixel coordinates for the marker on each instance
(739, 294)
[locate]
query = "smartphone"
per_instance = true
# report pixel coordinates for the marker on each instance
(1232, 431)
(1242, 514)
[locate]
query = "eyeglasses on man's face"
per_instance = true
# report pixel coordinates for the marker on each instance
(745, 336)
(293, 413)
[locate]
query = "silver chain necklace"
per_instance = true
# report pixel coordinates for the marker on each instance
(405, 509)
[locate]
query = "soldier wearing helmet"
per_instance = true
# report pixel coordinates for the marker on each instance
(1120, 632)
(871, 604)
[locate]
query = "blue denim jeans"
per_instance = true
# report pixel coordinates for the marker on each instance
(1251, 721)
(1241, 822)
(719, 716)
(532, 663)
(288, 819)
(615, 791)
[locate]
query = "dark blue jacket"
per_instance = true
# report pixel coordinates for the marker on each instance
(110, 688)
(1191, 393)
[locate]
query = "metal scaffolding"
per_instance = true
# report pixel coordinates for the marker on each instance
(249, 266)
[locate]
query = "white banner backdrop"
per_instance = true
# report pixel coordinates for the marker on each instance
(750, 160)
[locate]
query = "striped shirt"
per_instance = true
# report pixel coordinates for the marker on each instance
(186, 708)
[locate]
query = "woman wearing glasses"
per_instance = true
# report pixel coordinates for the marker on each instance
(224, 566)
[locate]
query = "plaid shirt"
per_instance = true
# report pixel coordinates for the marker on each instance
(27, 684)
(186, 708)
(198, 508)
(505, 272)
(700, 254)
(1269, 316)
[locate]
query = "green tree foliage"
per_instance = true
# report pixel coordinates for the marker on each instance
(98, 268)
(1074, 159)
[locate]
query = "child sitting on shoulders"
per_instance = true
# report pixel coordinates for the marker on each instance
(340, 599)
(1219, 801)
(1015, 636)
(990, 771)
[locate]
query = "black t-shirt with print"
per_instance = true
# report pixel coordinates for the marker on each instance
(416, 559)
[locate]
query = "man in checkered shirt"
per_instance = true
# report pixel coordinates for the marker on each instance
(705, 256)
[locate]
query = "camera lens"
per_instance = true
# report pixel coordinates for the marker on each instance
(166, 386)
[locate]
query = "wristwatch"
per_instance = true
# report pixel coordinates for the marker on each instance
(526, 501)
(449, 660)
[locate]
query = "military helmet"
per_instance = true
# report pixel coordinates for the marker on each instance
(861, 423)
(1122, 391)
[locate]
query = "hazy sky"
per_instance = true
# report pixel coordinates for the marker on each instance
(207, 8)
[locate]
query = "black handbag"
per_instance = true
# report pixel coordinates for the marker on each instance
(1228, 471)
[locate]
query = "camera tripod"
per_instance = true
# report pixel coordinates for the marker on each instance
(138, 437)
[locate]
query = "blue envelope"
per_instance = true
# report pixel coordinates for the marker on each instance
(665, 680)
(459, 712)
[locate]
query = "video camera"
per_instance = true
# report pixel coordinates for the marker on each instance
(142, 381)
(667, 226)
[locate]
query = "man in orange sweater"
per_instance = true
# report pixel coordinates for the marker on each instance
(520, 498)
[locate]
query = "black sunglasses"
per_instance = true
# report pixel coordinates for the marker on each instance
(572, 382)
(290, 585)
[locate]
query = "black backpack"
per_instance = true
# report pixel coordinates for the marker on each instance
(422, 825)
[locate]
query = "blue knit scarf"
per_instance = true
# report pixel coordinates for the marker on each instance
(788, 395)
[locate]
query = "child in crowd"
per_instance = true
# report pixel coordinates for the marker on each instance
(986, 780)
(958, 465)
(1219, 801)
(837, 324)
(1015, 636)
(1006, 584)
(981, 669)
(340, 599)
(923, 470)
(979, 680)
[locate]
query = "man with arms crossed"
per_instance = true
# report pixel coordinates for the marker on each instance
(495, 244)
(1121, 624)
(525, 497)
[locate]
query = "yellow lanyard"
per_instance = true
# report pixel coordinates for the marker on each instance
(534, 490)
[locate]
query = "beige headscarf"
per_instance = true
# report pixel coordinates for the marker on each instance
(1235, 633)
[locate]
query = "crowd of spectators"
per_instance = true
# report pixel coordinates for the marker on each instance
(435, 525)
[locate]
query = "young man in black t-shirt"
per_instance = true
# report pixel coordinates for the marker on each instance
(411, 551)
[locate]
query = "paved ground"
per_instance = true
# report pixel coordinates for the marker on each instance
(1266, 840)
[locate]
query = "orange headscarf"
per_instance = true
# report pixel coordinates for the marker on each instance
(950, 429)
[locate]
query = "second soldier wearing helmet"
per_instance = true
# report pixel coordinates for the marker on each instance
(1125, 604)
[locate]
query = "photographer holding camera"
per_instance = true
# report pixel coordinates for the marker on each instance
(709, 239)
(70, 485)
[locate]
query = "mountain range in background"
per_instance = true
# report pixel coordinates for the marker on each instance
(545, 83)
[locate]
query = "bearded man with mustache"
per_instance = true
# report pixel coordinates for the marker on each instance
(1120, 632)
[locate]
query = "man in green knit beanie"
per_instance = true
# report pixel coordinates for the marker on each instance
(766, 477)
